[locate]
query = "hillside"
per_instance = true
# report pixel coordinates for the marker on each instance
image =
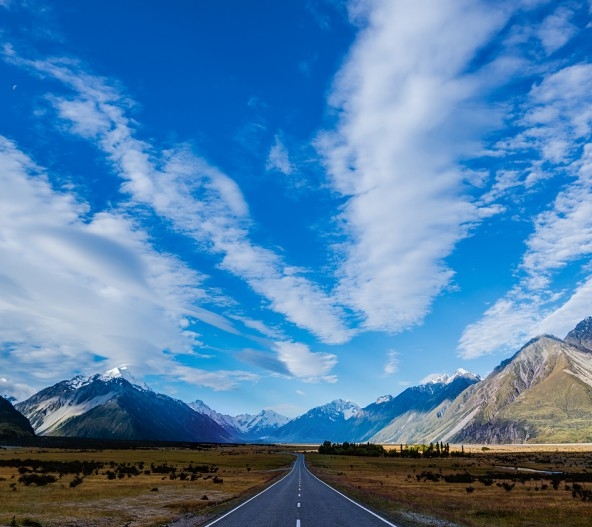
(13, 424)
(542, 394)
(110, 407)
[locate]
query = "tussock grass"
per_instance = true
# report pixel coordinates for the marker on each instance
(487, 488)
(147, 499)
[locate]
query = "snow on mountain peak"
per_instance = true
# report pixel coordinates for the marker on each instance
(346, 408)
(384, 399)
(122, 372)
(117, 372)
(444, 378)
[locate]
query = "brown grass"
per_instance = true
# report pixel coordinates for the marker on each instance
(144, 500)
(408, 489)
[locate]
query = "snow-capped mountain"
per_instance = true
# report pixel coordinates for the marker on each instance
(542, 393)
(260, 426)
(123, 372)
(331, 422)
(247, 427)
(447, 379)
(581, 335)
(109, 406)
(411, 404)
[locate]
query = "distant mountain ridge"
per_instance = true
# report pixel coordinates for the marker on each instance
(327, 421)
(543, 393)
(245, 426)
(345, 421)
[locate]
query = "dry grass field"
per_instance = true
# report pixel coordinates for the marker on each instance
(526, 486)
(134, 488)
(530, 485)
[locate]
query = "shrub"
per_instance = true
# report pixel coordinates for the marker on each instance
(76, 481)
(37, 479)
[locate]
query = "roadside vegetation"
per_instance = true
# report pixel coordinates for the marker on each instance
(414, 485)
(134, 487)
(478, 488)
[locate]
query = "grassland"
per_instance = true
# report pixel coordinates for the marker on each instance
(506, 487)
(136, 488)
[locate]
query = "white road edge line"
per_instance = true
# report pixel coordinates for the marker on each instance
(253, 497)
(349, 499)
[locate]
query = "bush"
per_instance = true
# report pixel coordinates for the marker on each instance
(76, 481)
(37, 479)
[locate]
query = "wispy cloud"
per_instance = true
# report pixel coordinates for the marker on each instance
(557, 29)
(78, 289)
(409, 110)
(557, 125)
(278, 158)
(221, 380)
(200, 200)
(301, 362)
(392, 362)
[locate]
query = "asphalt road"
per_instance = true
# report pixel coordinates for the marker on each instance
(300, 500)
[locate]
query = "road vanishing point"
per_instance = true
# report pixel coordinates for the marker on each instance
(300, 499)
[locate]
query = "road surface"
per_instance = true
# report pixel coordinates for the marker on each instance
(300, 500)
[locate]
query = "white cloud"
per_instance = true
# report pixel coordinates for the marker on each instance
(408, 112)
(577, 307)
(18, 390)
(392, 362)
(278, 158)
(258, 325)
(556, 30)
(220, 380)
(561, 236)
(200, 200)
(76, 289)
(305, 364)
(506, 326)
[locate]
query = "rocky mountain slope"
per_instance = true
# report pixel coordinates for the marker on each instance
(110, 407)
(409, 409)
(13, 424)
(345, 421)
(542, 394)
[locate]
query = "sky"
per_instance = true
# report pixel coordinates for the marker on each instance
(272, 205)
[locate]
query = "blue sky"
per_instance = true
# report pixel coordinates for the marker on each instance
(276, 204)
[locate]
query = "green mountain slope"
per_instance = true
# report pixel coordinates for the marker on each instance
(543, 394)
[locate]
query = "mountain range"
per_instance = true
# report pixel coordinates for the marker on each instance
(542, 394)
(109, 406)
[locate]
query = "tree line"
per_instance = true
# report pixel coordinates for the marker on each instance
(437, 449)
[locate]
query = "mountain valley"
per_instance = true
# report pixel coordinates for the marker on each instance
(542, 394)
